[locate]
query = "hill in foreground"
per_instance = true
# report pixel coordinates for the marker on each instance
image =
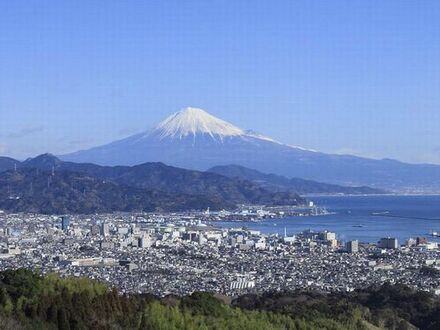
(30, 301)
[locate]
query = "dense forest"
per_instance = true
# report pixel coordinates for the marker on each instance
(32, 301)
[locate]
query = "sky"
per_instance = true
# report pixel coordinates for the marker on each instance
(348, 77)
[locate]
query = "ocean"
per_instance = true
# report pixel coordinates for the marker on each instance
(356, 217)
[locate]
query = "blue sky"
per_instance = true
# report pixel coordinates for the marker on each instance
(360, 77)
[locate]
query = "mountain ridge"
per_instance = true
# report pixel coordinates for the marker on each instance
(275, 182)
(38, 191)
(198, 144)
(127, 175)
(155, 181)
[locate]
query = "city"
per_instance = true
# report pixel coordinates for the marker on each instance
(178, 254)
(227, 165)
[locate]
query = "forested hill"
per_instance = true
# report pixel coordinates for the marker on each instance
(169, 179)
(87, 189)
(30, 301)
(38, 191)
(274, 182)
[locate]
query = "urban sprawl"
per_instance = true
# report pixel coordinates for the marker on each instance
(180, 253)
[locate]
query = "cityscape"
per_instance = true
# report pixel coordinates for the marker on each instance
(178, 254)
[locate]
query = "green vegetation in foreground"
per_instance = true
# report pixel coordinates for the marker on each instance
(31, 301)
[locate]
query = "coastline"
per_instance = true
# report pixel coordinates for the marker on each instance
(418, 217)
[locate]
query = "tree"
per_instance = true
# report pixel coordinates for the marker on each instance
(63, 321)
(6, 302)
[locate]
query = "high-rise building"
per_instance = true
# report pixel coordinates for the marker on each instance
(105, 229)
(327, 236)
(65, 223)
(352, 246)
(421, 240)
(388, 243)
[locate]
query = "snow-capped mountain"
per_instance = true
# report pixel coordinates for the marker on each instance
(195, 139)
(193, 121)
(190, 138)
(196, 123)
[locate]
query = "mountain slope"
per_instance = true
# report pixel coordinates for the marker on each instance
(194, 139)
(7, 163)
(280, 183)
(31, 190)
(171, 179)
(192, 189)
(190, 138)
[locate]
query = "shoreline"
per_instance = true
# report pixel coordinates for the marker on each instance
(373, 195)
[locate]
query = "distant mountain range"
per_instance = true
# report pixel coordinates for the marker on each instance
(194, 139)
(48, 185)
(279, 183)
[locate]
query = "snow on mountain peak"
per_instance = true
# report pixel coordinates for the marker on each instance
(192, 121)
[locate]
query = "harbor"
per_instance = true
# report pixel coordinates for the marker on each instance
(352, 218)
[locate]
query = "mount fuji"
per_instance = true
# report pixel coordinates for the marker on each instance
(194, 139)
